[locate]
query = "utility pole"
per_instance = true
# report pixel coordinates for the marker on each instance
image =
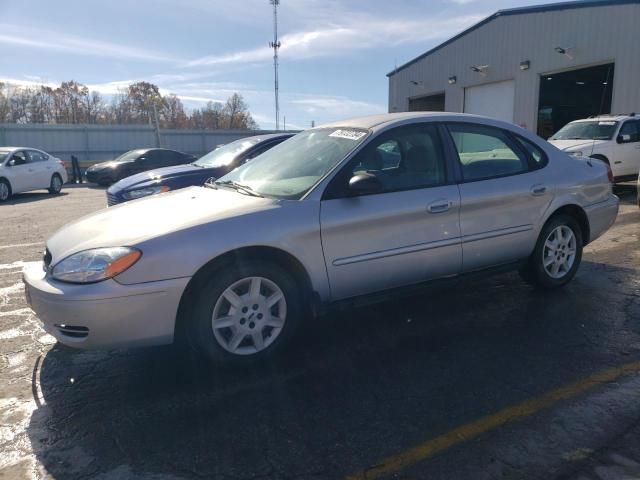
(276, 46)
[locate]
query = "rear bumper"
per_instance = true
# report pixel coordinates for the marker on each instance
(105, 314)
(601, 216)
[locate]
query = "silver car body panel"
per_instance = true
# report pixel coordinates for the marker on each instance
(348, 246)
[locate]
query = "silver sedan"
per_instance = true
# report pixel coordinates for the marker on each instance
(336, 212)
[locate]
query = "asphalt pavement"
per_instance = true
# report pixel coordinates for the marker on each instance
(487, 378)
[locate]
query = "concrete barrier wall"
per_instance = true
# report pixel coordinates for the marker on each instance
(97, 143)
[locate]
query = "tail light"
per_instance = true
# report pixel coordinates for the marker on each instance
(609, 173)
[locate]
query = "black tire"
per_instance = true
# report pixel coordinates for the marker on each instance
(535, 272)
(53, 189)
(5, 193)
(199, 327)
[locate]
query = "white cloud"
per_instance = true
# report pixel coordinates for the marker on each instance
(337, 105)
(338, 40)
(56, 41)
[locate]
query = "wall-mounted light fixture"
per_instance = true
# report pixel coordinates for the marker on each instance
(566, 51)
(481, 69)
(525, 65)
(452, 80)
(416, 83)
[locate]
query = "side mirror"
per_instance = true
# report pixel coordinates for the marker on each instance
(365, 183)
(623, 138)
(11, 163)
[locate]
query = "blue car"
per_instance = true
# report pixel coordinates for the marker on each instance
(214, 164)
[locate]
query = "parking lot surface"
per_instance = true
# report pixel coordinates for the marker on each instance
(486, 378)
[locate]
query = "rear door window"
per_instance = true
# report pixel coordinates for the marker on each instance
(37, 156)
(486, 152)
(538, 157)
(631, 128)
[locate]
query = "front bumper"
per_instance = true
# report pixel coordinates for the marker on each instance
(601, 216)
(105, 314)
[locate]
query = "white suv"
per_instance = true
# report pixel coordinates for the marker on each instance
(614, 139)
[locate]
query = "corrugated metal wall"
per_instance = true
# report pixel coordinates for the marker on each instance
(94, 143)
(597, 35)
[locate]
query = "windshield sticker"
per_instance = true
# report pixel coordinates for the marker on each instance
(348, 134)
(606, 123)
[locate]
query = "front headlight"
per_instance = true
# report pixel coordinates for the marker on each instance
(144, 192)
(95, 265)
(577, 153)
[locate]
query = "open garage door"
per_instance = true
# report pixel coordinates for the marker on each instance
(572, 95)
(493, 100)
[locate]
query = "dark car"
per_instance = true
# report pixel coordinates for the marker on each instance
(215, 164)
(135, 161)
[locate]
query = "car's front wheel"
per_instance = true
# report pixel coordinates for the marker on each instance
(557, 255)
(245, 312)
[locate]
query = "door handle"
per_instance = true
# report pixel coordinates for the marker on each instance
(538, 190)
(439, 206)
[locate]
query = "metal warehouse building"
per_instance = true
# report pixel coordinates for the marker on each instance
(539, 67)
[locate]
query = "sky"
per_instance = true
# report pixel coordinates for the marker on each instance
(334, 57)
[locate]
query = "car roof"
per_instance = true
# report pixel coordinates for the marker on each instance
(379, 121)
(13, 149)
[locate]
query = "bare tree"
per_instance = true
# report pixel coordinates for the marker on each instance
(140, 102)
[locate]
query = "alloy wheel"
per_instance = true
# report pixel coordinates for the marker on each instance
(249, 315)
(559, 252)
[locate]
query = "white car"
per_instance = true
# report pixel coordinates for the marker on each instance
(23, 169)
(614, 139)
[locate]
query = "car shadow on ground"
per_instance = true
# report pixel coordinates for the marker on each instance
(359, 384)
(19, 198)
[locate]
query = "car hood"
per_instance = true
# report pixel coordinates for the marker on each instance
(566, 145)
(133, 222)
(157, 176)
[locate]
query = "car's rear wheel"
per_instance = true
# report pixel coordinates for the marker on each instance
(245, 312)
(56, 184)
(557, 255)
(5, 190)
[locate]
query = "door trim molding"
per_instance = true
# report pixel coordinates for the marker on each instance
(397, 251)
(431, 245)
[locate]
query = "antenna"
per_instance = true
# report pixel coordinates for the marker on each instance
(276, 46)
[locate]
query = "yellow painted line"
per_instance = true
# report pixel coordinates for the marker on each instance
(402, 460)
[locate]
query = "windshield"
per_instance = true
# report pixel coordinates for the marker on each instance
(3, 156)
(223, 156)
(290, 169)
(129, 156)
(596, 130)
